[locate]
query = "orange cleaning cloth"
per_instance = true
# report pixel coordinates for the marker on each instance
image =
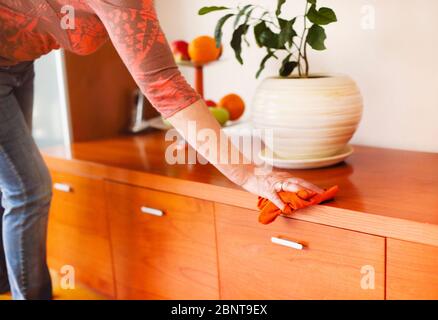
(294, 201)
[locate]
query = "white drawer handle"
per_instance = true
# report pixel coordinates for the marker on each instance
(287, 243)
(152, 211)
(63, 187)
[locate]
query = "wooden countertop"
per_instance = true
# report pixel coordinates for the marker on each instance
(385, 192)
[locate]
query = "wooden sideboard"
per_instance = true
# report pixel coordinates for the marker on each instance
(134, 227)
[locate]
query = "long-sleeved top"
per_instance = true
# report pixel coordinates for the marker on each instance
(30, 29)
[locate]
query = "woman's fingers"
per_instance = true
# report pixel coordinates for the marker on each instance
(291, 187)
(275, 199)
(278, 186)
(305, 185)
(295, 185)
(271, 184)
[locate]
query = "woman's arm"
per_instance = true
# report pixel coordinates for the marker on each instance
(136, 34)
(254, 179)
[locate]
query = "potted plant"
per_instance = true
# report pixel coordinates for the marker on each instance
(312, 115)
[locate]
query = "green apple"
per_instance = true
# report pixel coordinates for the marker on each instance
(222, 115)
(166, 122)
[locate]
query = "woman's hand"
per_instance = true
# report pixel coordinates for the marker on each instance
(267, 183)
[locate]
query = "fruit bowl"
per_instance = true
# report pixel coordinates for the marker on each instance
(160, 124)
(197, 54)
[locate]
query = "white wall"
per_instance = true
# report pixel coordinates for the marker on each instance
(49, 118)
(396, 64)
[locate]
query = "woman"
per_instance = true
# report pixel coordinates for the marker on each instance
(30, 29)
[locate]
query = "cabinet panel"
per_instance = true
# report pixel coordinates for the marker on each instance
(334, 263)
(172, 256)
(412, 270)
(78, 232)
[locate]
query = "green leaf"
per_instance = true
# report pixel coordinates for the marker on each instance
(218, 31)
(316, 37)
(240, 14)
(311, 1)
(248, 16)
(236, 41)
(269, 55)
(321, 17)
(266, 38)
(287, 32)
(206, 10)
(287, 67)
(280, 4)
(258, 30)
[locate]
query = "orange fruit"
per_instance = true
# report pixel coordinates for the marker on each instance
(234, 104)
(203, 50)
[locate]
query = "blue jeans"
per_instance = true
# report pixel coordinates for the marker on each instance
(25, 187)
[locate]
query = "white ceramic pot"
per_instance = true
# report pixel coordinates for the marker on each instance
(311, 117)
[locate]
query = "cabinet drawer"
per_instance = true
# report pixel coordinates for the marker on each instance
(412, 270)
(334, 263)
(77, 189)
(172, 256)
(78, 232)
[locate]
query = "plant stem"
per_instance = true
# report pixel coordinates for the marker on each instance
(266, 13)
(298, 48)
(301, 49)
(306, 60)
(264, 20)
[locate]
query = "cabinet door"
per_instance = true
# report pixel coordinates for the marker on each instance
(412, 270)
(78, 232)
(265, 262)
(163, 244)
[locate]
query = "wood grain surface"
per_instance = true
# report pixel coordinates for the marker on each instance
(168, 257)
(412, 271)
(329, 267)
(385, 192)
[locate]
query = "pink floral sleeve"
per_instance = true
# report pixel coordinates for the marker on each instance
(136, 34)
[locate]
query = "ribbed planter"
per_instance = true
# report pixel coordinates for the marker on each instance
(311, 117)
